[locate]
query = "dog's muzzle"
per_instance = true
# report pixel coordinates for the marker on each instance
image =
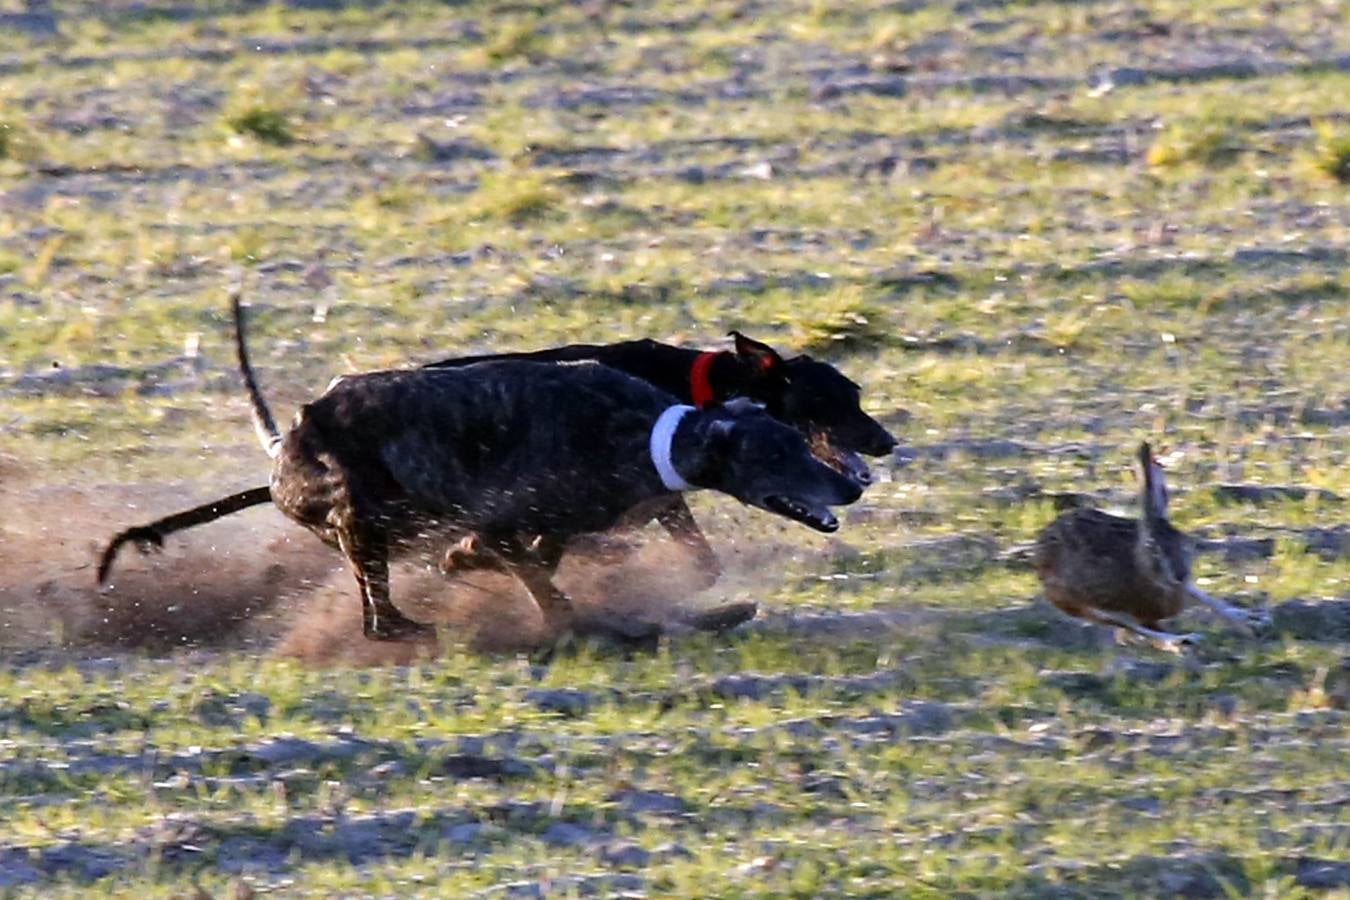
(852, 465)
(817, 517)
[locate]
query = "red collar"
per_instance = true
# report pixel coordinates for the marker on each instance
(700, 389)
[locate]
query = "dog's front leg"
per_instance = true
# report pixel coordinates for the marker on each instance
(679, 523)
(368, 553)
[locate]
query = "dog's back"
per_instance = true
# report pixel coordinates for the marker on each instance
(519, 446)
(662, 365)
(811, 395)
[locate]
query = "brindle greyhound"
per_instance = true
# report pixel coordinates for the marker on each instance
(812, 396)
(522, 455)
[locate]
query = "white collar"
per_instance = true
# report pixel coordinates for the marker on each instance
(659, 446)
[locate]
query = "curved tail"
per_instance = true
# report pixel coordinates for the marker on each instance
(152, 535)
(263, 424)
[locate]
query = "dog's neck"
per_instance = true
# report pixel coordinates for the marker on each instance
(715, 376)
(659, 445)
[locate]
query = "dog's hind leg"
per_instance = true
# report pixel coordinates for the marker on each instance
(468, 555)
(368, 554)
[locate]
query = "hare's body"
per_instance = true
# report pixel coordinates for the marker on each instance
(1091, 559)
(1125, 572)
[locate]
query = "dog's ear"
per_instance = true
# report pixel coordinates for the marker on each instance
(720, 433)
(716, 448)
(743, 406)
(760, 356)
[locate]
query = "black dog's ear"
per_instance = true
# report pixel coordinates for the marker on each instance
(743, 406)
(763, 357)
(720, 432)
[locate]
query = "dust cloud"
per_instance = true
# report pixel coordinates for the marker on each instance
(255, 581)
(223, 584)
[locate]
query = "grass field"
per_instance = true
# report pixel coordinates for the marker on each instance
(1035, 232)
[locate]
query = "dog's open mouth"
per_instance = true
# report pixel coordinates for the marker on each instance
(818, 517)
(852, 465)
(845, 462)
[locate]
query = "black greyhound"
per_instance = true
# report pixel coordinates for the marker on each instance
(520, 456)
(813, 396)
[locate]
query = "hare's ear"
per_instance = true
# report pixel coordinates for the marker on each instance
(1154, 482)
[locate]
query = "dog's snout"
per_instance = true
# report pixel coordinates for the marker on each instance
(883, 443)
(849, 489)
(849, 463)
(858, 471)
(868, 437)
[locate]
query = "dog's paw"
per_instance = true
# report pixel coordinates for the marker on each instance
(388, 628)
(1250, 621)
(721, 618)
(1180, 644)
(615, 625)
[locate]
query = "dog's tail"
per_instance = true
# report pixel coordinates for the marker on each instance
(263, 424)
(153, 534)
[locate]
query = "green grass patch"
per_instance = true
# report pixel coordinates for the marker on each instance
(1331, 155)
(267, 124)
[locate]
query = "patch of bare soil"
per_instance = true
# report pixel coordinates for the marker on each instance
(254, 580)
(491, 612)
(219, 584)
